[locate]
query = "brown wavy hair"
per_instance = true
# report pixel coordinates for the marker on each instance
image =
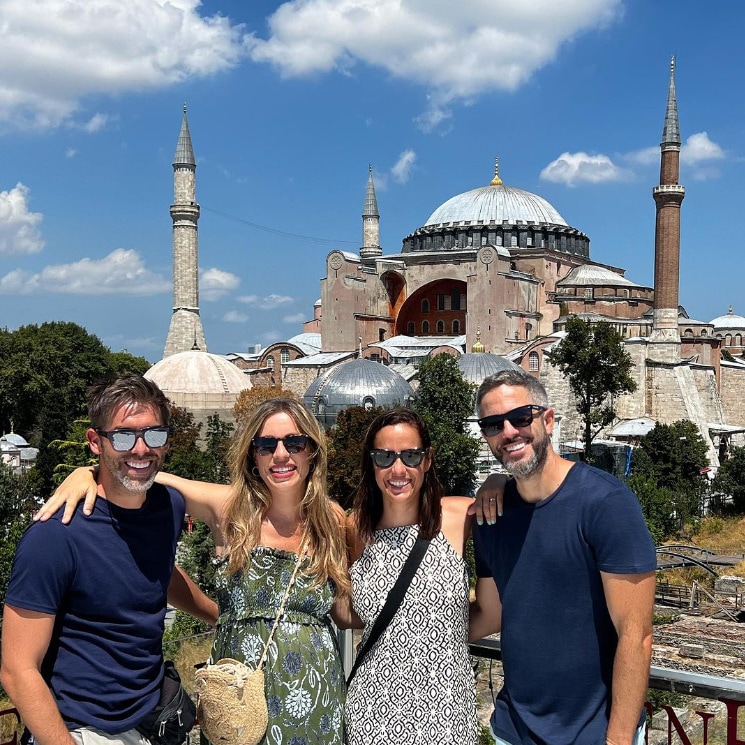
(367, 498)
(250, 499)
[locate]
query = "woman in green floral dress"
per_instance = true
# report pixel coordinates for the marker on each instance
(276, 503)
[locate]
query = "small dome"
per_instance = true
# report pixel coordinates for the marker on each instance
(496, 203)
(477, 366)
(16, 440)
(197, 372)
(730, 321)
(358, 382)
(306, 340)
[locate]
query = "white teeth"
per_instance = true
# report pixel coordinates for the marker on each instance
(282, 470)
(398, 484)
(514, 447)
(138, 465)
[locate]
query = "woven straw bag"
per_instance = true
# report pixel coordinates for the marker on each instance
(231, 700)
(232, 704)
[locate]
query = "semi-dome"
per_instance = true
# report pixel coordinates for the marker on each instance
(358, 382)
(496, 204)
(477, 366)
(729, 321)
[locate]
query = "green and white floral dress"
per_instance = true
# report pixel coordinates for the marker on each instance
(304, 677)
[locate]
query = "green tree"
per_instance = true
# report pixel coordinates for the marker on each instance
(445, 402)
(124, 363)
(730, 479)
(666, 476)
(592, 358)
(17, 504)
(73, 451)
(345, 451)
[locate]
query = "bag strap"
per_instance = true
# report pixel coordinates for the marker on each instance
(393, 601)
(281, 610)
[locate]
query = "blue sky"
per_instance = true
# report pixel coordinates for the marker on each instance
(289, 103)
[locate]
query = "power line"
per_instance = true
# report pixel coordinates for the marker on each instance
(276, 231)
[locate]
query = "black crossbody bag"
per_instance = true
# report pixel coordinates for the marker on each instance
(393, 601)
(170, 721)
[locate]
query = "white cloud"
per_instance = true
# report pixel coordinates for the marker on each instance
(71, 152)
(269, 337)
(698, 147)
(19, 228)
(402, 170)
(265, 303)
(215, 283)
(577, 168)
(456, 50)
(295, 318)
(645, 157)
(120, 273)
(233, 316)
(54, 53)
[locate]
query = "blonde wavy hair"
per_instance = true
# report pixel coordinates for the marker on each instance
(250, 499)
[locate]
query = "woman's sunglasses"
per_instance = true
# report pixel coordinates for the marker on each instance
(386, 458)
(267, 445)
(522, 416)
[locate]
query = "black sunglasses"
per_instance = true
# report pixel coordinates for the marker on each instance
(386, 458)
(123, 440)
(522, 416)
(267, 445)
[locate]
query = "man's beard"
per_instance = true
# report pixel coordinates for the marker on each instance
(524, 468)
(114, 465)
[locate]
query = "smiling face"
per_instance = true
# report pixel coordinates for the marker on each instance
(400, 484)
(283, 472)
(521, 450)
(132, 472)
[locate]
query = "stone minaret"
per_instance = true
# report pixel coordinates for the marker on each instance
(185, 332)
(664, 343)
(370, 222)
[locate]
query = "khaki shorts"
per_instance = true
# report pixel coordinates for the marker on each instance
(92, 736)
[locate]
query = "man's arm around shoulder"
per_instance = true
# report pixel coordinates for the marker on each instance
(26, 637)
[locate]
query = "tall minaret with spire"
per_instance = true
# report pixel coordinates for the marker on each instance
(664, 343)
(185, 332)
(370, 222)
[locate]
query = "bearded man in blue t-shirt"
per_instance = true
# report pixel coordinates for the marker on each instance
(83, 623)
(567, 574)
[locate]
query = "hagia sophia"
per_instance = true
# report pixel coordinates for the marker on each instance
(490, 278)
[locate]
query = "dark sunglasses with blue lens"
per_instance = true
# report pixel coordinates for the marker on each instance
(386, 458)
(522, 416)
(123, 440)
(267, 445)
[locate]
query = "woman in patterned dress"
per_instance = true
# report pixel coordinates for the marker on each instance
(275, 503)
(416, 685)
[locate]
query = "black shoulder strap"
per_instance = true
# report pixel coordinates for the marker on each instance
(393, 601)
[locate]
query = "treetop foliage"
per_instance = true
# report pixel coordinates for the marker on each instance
(730, 478)
(592, 359)
(250, 398)
(445, 401)
(345, 451)
(44, 373)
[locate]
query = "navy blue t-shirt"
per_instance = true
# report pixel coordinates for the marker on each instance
(558, 641)
(106, 578)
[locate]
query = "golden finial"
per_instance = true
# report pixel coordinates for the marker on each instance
(478, 347)
(496, 181)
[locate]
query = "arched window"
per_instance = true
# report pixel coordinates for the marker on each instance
(688, 332)
(411, 328)
(441, 327)
(425, 305)
(738, 340)
(456, 327)
(284, 355)
(728, 340)
(368, 402)
(533, 362)
(425, 327)
(588, 293)
(270, 363)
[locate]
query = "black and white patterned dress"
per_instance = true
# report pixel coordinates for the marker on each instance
(416, 686)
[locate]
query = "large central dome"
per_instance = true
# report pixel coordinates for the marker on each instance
(496, 203)
(500, 216)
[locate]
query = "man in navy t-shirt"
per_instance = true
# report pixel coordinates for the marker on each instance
(84, 615)
(567, 574)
